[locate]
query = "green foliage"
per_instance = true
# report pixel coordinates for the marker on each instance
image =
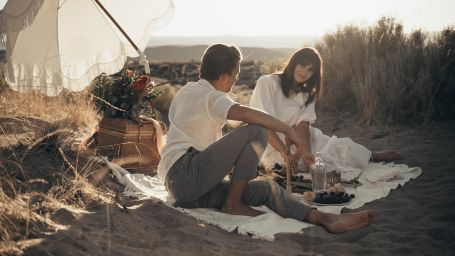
(386, 75)
(124, 96)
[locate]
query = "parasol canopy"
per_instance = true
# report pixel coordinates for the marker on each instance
(56, 44)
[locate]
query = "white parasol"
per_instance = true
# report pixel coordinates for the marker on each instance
(56, 44)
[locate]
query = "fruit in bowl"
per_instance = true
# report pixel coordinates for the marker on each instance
(336, 188)
(328, 197)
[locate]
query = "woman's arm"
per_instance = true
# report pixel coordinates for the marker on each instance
(303, 129)
(276, 143)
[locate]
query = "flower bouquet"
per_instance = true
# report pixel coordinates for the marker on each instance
(129, 95)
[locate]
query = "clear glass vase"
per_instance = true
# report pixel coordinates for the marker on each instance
(318, 174)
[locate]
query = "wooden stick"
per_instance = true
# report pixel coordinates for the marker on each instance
(288, 176)
(117, 25)
(141, 53)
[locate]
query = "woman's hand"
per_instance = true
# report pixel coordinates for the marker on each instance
(293, 138)
(308, 158)
(291, 159)
(284, 154)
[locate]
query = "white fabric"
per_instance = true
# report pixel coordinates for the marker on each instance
(371, 191)
(56, 44)
(267, 225)
(188, 129)
(391, 173)
(2, 27)
(269, 97)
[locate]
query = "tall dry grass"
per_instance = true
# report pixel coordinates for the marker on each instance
(386, 75)
(41, 170)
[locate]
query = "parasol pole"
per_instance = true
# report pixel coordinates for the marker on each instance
(142, 56)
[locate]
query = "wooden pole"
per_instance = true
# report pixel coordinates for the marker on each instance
(117, 25)
(141, 54)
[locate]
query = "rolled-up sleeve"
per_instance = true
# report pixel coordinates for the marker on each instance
(218, 105)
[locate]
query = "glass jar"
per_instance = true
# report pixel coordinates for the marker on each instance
(318, 175)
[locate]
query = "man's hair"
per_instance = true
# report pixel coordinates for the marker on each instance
(218, 60)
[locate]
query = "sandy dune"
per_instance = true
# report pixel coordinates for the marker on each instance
(417, 219)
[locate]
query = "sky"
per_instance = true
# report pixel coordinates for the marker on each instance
(299, 17)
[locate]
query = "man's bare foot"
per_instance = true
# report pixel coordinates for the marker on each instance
(338, 224)
(349, 221)
(385, 156)
(241, 209)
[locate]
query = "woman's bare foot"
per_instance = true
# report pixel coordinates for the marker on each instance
(385, 156)
(338, 224)
(240, 209)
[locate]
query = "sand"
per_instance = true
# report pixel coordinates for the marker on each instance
(417, 219)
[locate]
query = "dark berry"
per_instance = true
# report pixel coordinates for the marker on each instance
(277, 166)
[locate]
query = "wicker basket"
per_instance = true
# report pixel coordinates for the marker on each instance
(333, 178)
(128, 143)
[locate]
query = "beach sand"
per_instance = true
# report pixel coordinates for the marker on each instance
(417, 219)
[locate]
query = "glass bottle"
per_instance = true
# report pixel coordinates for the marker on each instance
(318, 175)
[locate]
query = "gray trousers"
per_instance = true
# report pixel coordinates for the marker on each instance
(196, 179)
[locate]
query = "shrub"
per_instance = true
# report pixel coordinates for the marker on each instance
(385, 75)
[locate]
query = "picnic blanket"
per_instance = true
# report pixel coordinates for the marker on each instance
(377, 179)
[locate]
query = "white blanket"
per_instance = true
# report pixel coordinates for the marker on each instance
(377, 179)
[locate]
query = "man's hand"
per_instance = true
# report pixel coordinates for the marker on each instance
(293, 138)
(308, 157)
(293, 159)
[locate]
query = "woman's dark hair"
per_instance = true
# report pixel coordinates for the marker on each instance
(304, 57)
(218, 60)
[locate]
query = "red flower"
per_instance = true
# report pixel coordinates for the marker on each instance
(140, 83)
(129, 73)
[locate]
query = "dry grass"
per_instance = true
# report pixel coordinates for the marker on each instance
(42, 173)
(388, 76)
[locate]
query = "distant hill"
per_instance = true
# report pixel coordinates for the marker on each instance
(188, 53)
(292, 42)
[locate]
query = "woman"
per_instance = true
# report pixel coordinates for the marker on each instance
(196, 158)
(290, 97)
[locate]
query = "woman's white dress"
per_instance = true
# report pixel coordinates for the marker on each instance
(268, 96)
